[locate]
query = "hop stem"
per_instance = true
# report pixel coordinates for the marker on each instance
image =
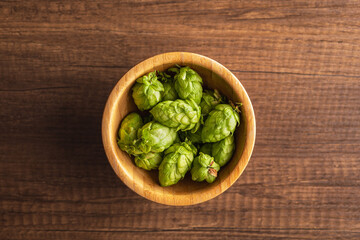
(217, 94)
(236, 106)
(213, 172)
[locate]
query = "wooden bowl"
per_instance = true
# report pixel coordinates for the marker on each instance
(145, 183)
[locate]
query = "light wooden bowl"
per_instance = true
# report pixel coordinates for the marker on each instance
(145, 183)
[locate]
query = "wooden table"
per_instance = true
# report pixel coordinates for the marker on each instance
(298, 60)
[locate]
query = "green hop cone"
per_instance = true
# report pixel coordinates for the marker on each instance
(223, 150)
(220, 123)
(169, 92)
(169, 88)
(147, 91)
(148, 161)
(176, 163)
(155, 137)
(180, 114)
(204, 168)
(128, 133)
(131, 149)
(188, 84)
(206, 148)
(209, 100)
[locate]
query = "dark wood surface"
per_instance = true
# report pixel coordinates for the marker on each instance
(298, 60)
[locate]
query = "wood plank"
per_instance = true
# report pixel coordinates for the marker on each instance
(257, 234)
(298, 60)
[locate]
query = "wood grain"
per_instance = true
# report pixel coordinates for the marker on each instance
(298, 60)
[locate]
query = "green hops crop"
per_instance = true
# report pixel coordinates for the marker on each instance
(204, 168)
(223, 150)
(176, 163)
(220, 123)
(209, 100)
(128, 133)
(180, 114)
(188, 84)
(148, 161)
(155, 137)
(147, 91)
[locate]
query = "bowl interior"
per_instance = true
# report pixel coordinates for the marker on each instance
(146, 182)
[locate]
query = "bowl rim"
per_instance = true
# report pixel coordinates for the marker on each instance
(164, 58)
